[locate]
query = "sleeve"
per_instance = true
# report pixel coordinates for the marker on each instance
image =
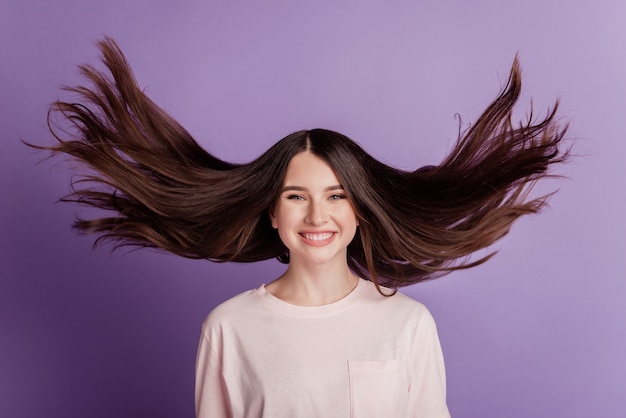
(211, 394)
(427, 391)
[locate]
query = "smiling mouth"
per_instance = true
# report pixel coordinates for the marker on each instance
(318, 236)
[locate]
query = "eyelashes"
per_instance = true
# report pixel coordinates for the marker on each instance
(335, 196)
(338, 197)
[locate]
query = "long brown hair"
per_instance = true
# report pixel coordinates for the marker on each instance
(165, 191)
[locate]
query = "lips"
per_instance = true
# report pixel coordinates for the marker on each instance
(317, 239)
(320, 236)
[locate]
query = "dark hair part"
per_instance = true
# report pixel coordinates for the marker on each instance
(165, 191)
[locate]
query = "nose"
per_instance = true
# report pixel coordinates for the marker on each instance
(317, 214)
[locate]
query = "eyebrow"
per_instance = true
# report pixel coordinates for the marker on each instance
(304, 189)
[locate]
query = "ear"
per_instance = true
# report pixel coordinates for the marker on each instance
(273, 218)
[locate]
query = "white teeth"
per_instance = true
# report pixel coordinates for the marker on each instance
(318, 237)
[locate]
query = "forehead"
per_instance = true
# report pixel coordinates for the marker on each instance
(306, 168)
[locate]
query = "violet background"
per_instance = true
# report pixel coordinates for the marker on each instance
(539, 331)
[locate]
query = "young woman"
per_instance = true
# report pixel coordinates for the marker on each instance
(330, 337)
(319, 341)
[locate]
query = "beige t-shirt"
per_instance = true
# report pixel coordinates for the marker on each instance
(365, 355)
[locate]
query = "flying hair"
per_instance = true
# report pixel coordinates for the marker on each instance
(159, 188)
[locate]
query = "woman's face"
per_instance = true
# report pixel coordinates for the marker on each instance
(314, 218)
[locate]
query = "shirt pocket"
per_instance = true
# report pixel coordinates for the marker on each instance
(377, 389)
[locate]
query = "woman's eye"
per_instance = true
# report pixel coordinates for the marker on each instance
(337, 197)
(295, 197)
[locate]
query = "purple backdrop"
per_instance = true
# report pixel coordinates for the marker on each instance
(537, 332)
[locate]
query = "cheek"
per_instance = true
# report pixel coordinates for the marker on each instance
(349, 217)
(282, 218)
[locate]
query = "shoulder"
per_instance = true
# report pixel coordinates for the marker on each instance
(397, 301)
(231, 310)
(418, 308)
(397, 308)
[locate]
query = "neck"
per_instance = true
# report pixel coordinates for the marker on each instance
(313, 285)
